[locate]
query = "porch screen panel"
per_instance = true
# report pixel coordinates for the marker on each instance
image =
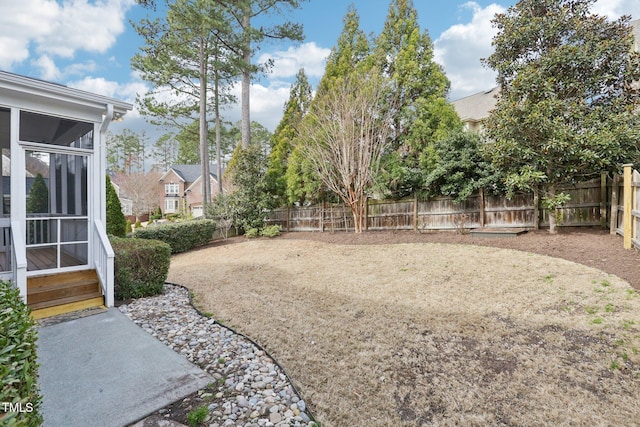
(57, 209)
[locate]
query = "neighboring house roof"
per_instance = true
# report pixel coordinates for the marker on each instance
(189, 173)
(475, 108)
(635, 25)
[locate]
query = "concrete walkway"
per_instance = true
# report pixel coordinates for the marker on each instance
(103, 370)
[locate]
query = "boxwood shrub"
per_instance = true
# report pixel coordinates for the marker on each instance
(181, 236)
(18, 361)
(140, 267)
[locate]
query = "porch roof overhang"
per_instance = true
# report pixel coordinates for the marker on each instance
(17, 89)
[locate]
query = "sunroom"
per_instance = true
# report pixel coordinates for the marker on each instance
(53, 244)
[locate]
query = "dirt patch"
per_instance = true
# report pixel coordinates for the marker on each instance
(403, 329)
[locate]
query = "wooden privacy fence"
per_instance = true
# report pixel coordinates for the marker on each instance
(588, 207)
(625, 207)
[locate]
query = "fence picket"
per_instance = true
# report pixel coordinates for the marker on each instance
(586, 208)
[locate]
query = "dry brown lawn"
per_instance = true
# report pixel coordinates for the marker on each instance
(430, 334)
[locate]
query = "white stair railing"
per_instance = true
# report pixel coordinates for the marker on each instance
(104, 256)
(19, 258)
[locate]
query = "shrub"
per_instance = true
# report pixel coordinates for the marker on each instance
(156, 215)
(271, 231)
(128, 227)
(251, 233)
(181, 236)
(138, 224)
(18, 357)
(140, 267)
(116, 222)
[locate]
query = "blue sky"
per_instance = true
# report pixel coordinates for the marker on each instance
(88, 44)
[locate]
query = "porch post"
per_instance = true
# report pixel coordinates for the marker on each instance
(18, 205)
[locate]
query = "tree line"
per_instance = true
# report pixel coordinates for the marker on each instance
(379, 123)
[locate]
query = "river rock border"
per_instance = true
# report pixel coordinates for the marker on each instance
(251, 389)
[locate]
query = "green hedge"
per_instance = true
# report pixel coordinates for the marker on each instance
(140, 267)
(181, 236)
(18, 361)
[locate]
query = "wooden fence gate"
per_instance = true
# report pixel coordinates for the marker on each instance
(631, 207)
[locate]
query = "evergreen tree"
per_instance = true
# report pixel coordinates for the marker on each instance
(244, 12)
(249, 199)
(116, 222)
(283, 139)
(184, 52)
(351, 55)
(38, 199)
(165, 151)
(416, 98)
(569, 96)
(126, 151)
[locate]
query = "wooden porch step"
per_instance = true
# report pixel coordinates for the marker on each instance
(79, 306)
(64, 288)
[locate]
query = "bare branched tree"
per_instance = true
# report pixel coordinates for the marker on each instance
(141, 189)
(344, 135)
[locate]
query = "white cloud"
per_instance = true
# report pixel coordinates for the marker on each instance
(460, 48)
(309, 56)
(123, 91)
(266, 102)
(616, 8)
(48, 69)
(58, 29)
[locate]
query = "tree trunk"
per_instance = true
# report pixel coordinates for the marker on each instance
(218, 154)
(204, 146)
(552, 222)
(551, 195)
(246, 79)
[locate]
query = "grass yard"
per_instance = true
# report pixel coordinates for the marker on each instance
(429, 333)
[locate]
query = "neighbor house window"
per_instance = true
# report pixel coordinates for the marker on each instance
(171, 206)
(171, 188)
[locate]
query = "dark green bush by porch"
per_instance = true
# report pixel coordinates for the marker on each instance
(181, 236)
(18, 367)
(140, 267)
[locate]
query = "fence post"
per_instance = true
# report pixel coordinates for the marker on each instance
(536, 209)
(287, 220)
(613, 218)
(366, 214)
(482, 208)
(322, 217)
(627, 206)
(603, 200)
(415, 212)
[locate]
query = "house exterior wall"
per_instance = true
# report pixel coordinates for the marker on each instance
(194, 196)
(188, 197)
(172, 202)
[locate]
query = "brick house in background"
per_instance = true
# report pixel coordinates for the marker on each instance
(180, 189)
